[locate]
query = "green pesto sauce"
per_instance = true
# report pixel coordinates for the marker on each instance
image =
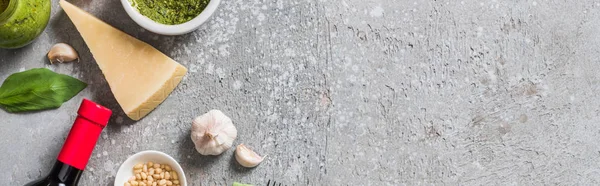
(170, 12)
(21, 21)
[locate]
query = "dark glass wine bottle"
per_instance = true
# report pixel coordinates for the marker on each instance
(78, 147)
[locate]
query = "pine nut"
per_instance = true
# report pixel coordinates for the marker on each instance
(168, 168)
(167, 175)
(156, 165)
(134, 183)
(138, 176)
(126, 184)
(138, 166)
(150, 179)
(174, 175)
(162, 175)
(158, 170)
(176, 182)
(145, 168)
(169, 183)
(144, 176)
(162, 182)
(151, 171)
(156, 176)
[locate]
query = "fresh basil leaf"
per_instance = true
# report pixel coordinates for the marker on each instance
(37, 89)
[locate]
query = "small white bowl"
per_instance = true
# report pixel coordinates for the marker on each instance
(126, 169)
(163, 29)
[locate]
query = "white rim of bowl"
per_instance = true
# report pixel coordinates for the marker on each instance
(163, 29)
(134, 156)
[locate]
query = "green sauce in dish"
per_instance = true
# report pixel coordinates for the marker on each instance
(21, 21)
(170, 12)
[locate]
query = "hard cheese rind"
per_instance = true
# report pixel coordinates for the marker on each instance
(140, 76)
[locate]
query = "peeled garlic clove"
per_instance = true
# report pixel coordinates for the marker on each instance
(62, 52)
(213, 133)
(247, 157)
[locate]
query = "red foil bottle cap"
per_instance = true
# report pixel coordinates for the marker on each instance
(86, 129)
(94, 112)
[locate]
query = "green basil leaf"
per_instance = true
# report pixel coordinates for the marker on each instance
(37, 89)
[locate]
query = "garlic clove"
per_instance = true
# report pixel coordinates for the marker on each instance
(247, 157)
(62, 52)
(213, 133)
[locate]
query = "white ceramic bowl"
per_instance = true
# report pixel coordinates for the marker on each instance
(126, 169)
(163, 29)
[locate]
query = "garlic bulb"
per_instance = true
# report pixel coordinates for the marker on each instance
(247, 157)
(213, 133)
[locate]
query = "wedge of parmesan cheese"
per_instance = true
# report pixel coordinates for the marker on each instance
(140, 76)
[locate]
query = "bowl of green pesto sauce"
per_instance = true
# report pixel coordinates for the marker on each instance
(170, 17)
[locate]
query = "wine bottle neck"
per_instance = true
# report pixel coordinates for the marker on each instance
(80, 143)
(65, 173)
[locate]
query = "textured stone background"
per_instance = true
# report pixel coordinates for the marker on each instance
(348, 92)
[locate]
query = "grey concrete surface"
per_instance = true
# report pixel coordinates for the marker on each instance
(348, 92)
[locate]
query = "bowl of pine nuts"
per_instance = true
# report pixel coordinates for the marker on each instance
(150, 168)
